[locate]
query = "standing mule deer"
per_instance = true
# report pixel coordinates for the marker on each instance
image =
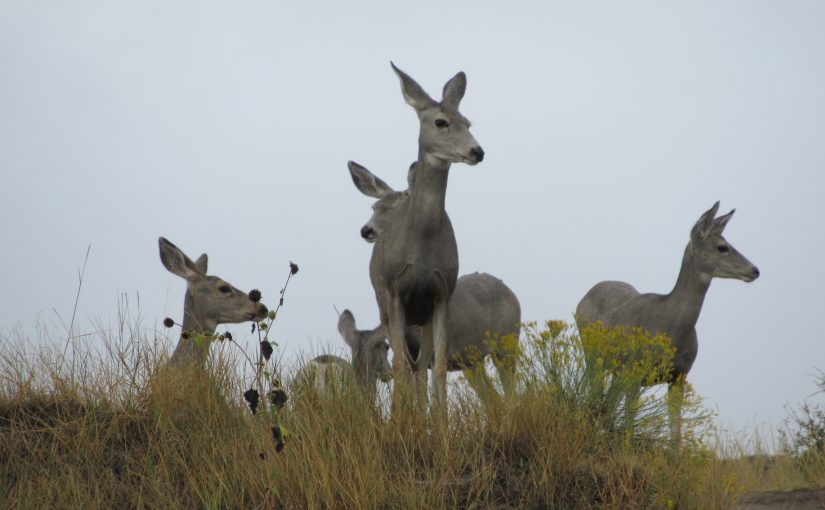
(327, 373)
(414, 266)
(482, 308)
(209, 301)
(707, 255)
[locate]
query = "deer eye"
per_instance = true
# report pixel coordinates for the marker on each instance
(224, 289)
(722, 248)
(441, 123)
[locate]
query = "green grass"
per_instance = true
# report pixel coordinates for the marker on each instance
(121, 430)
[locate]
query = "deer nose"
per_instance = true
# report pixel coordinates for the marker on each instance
(367, 232)
(262, 311)
(755, 271)
(477, 153)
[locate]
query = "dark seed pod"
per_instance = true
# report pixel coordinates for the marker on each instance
(266, 349)
(228, 336)
(168, 322)
(252, 398)
(254, 295)
(293, 267)
(278, 398)
(278, 437)
(185, 335)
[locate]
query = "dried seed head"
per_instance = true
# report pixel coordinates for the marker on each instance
(228, 336)
(278, 398)
(266, 349)
(168, 322)
(185, 335)
(254, 295)
(252, 398)
(293, 267)
(278, 437)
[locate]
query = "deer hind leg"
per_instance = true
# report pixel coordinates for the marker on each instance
(631, 406)
(505, 358)
(478, 379)
(506, 369)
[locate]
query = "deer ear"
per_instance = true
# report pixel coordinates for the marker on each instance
(366, 182)
(178, 263)
(454, 90)
(346, 326)
(202, 263)
(722, 221)
(378, 336)
(703, 227)
(414, 95)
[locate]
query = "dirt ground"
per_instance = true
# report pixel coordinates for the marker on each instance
(803, 499)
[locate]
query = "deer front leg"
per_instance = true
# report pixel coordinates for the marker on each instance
(675, 399)
(425, 356)
(439, 385)
(402, 376)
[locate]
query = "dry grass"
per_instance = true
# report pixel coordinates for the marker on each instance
(122, 431)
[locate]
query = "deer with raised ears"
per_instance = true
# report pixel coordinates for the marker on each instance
(414, 266)
(209, 301)
(369, 361)
(482, 308)
(707, 255)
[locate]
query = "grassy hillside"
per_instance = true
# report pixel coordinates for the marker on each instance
(122, 430)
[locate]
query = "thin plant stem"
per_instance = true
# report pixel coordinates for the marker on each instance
(80, 274)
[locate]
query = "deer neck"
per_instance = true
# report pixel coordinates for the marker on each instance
(686, 299)
(428, 193)
(191, 322)
(360, 365)
(187, 350)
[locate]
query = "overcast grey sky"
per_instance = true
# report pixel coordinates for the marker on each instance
(608, 127)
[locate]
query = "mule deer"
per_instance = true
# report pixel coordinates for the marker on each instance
(481, 304)
(209, 301)
(707, 255)
(369, 348)
(414, 266)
